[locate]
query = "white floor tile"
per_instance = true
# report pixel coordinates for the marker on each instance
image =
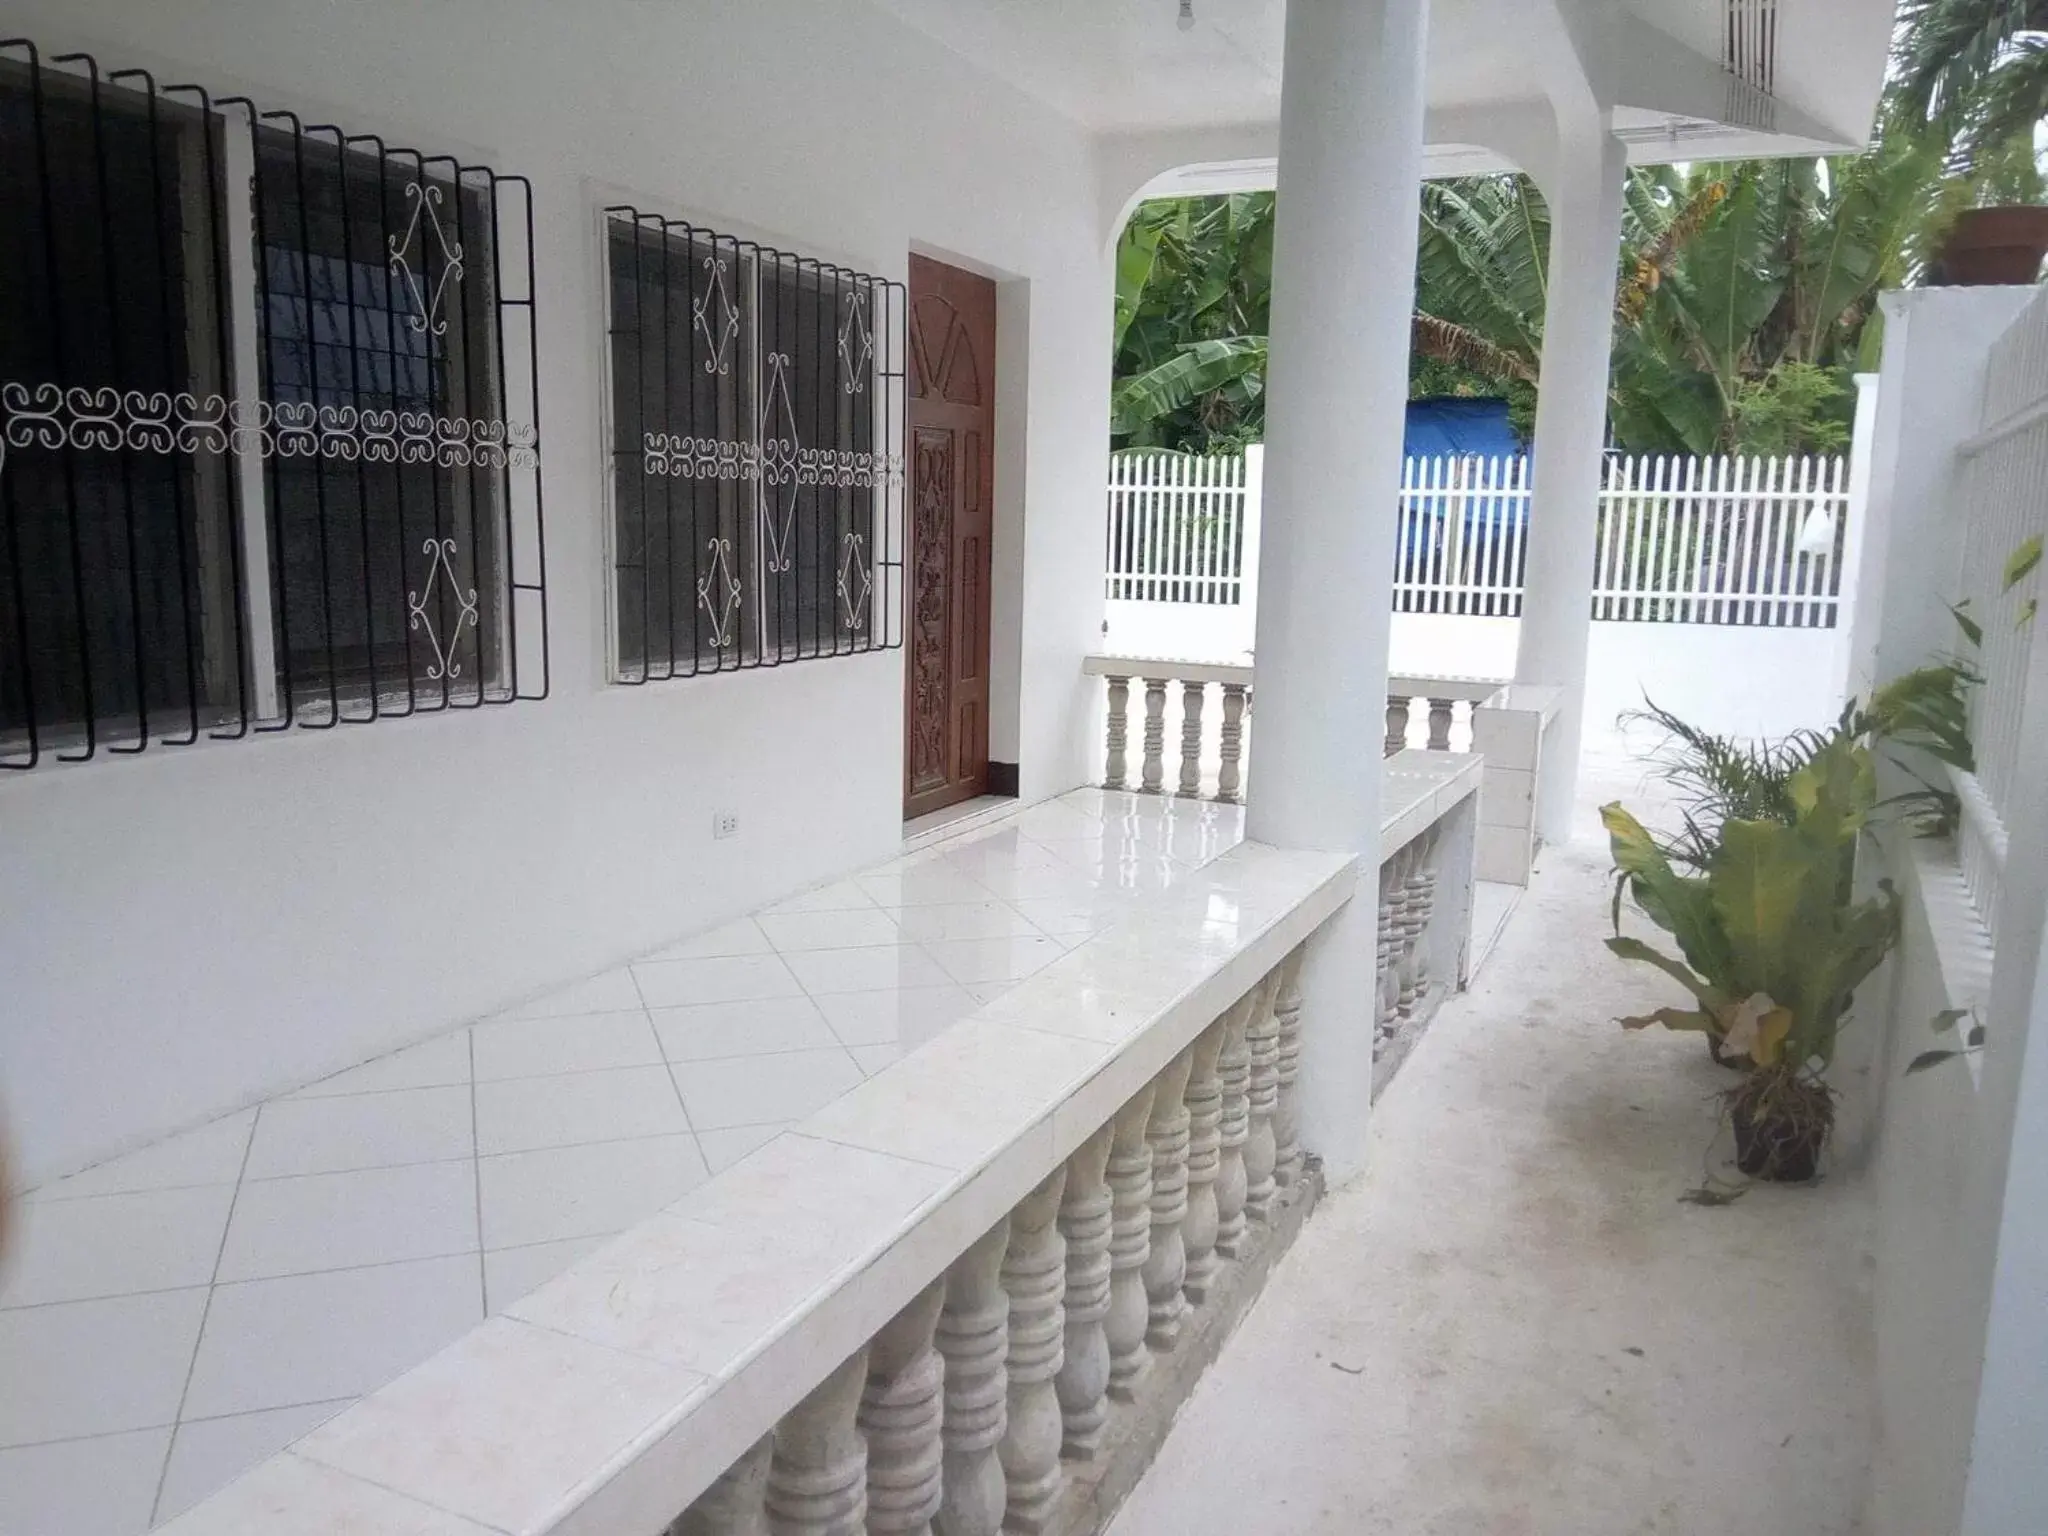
(527, 1113)
(739, 938)
(795, 931)
(924, 885)
(608, 993)
(562, 1192)
(341, 1220)
(716, 979)
(575, 1043)
(97, 1366)
(360, 1130)
(725, 1147)
(437, 1063)
(840, 896)
(1052, 877)
(210, 1154)
(872, 1058)
(975, 960)
(208, 1454)
(311, 1338)
(98, 1487)
(869, 969)
(988, 919)
(712, 1030)
(1061, 915)
(509, 1273)
(903, 1016)
(755, 1090)
(116, 1245)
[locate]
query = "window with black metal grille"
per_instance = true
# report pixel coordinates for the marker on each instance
(268, 438)
(755, 407)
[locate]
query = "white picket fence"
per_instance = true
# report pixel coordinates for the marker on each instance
(1744, 541)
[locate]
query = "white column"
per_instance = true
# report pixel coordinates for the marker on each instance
(1571, 427)
(1351, 105)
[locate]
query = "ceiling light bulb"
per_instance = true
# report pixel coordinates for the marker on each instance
(1186, 21)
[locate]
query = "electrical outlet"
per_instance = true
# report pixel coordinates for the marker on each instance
(725, 824)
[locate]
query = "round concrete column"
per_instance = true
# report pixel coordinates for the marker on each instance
(1351, 118)
(1571, 429)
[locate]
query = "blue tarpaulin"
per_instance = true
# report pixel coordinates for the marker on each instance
(1457, 427)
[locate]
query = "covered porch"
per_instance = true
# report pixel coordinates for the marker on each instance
(594, 1118)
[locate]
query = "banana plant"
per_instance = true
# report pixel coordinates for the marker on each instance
(1771, 942)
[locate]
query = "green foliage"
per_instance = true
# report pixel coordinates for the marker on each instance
(1979, 68)
(1773, 944)
(1796, 408)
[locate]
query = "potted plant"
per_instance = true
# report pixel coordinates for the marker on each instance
(1773, 946)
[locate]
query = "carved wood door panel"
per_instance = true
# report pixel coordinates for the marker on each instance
(950, 452)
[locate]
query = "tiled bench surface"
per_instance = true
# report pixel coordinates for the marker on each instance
(169, 1319)
(244, 1283)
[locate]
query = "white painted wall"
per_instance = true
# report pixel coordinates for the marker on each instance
(1953, 1154)
(189, 930)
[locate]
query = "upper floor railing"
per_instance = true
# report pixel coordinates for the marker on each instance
(1719, 540)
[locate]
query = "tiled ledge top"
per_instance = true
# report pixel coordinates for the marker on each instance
(1418, 788)
(610, 1397)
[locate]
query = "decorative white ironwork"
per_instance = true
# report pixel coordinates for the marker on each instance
(724, 458)
(441, 557)
(782, 460)
(426, 202)
(854, 582)
(107, 420)
(718, 338)
(720, 579)
(856, 343)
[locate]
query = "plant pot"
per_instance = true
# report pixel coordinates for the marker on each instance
(1781, 1123)
(1994, 246)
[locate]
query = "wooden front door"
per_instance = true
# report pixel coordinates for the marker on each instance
(951, 430)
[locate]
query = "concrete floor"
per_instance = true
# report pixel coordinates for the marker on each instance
(1511, 1325)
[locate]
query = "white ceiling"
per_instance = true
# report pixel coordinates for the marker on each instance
(1124, 65)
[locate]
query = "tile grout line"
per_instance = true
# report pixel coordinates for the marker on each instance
(669, 1067)
(205, 1312)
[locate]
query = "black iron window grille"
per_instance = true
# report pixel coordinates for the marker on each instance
(756, 409)
(269, 443)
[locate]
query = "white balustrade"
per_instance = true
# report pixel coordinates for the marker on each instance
(1440, 713)
(913, 1320)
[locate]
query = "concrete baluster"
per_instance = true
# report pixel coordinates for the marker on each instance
(1397, 723)
(1130, 1243)
(1205, 1160)
(1153, 772)
(818, 1472)
(973, 1336)
(1166, 1265)
(1439, 725)
(1083, 1380)
(900, 1414)
(1287, 1108)
(736, 1504)
(1119, 732)
(1230, 777)
(1191, 695)
(1234, 1071)
(1035, 1276)
(1261, 1153)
